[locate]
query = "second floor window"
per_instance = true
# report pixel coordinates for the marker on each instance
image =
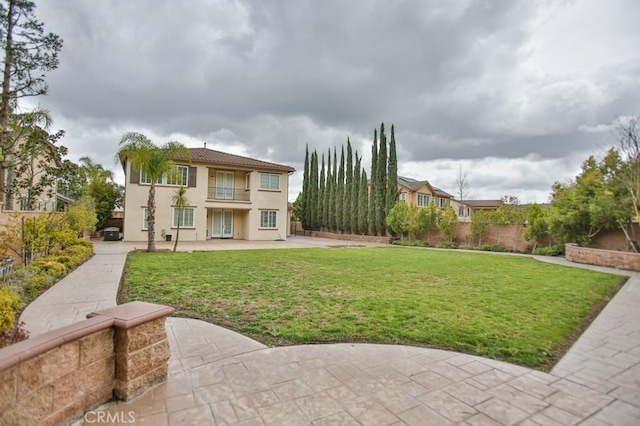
(423, 200)
(403, 196)
(270, 181)
(179, 177)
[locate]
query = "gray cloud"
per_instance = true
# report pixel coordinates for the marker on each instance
(460, 80)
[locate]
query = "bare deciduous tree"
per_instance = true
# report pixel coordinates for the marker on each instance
(462, 184)
(628, 135)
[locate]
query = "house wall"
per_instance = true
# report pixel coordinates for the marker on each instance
(268, 200)
(246, 214)
(136, 197)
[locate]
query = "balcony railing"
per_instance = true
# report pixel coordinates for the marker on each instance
(229, 194)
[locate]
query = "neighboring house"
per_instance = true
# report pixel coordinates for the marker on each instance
(29, 170)
(422, 193)
(229, 197)
(465, 209)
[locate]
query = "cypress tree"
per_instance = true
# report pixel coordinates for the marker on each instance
(392, 174)
(355, 195)
(340, 194)
(334, 192)
(363, 203)
(348, 189)
(373, 216)
(329, 190)
(382, 183)
(322, 197)
(313, 191)
(304, 216)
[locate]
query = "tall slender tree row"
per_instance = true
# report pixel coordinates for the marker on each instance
(338, 197)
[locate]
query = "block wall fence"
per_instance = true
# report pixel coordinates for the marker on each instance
(56, 377)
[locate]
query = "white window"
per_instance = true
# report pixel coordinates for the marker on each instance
(423, 200)
(145, 215)
(403, 196)
(186, 221)
(270, 181)
(178, 177)
(268, 219)
(247, 181)
(144, 177)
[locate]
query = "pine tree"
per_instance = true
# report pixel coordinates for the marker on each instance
(373, 215)
(348, 189)
(322, 197)
(355, 195)
(304, 217)
(29, 53)
(363, 203)
(381, 186)
(340, 194)
(392, 173)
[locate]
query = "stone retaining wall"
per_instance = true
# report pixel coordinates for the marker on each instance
(608, 258)
(58, 376)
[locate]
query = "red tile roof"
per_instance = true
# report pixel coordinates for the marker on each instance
(205, 155)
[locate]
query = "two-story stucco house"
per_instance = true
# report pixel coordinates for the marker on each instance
(229, 196)
(422, 193)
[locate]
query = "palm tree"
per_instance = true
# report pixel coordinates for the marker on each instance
(154, 161)
(181, 201)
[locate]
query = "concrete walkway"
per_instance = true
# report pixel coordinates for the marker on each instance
(220, 377)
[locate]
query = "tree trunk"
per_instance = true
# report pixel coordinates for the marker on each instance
(151, 218)
(5, 98)
(175, 245)
(630, 242)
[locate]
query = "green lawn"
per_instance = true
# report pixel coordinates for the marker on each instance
(510, 308)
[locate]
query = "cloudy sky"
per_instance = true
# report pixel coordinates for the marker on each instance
(516, 93)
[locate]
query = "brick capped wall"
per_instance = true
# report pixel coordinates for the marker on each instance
(608, 258)
(56, 377)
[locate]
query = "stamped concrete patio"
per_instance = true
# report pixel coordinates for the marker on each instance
(220, 377)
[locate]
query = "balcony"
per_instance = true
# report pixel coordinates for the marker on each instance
(229, 194)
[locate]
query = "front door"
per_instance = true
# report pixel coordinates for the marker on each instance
(222, 224)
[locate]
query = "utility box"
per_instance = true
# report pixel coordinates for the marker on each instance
(167, 237)
(112, 234)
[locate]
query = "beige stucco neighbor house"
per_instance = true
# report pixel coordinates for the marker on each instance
(230, 196)
(422, 193)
